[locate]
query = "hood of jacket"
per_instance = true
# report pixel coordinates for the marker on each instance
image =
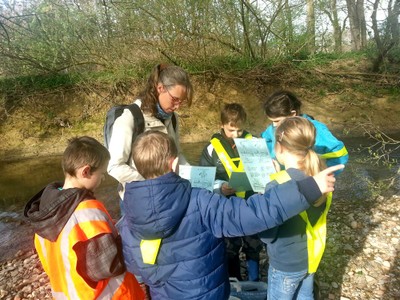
(155, 207)
(49, 210)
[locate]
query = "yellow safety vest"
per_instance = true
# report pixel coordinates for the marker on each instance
(150, 248)
(59, 259)
(316, 235)
(227, 161)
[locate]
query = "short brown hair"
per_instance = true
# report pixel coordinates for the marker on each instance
(234, 114)
(152, 151)
(83, 151)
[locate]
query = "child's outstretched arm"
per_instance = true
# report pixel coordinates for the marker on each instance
(326, 180)
(237, 217)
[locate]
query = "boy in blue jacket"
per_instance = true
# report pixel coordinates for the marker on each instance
(172, 234)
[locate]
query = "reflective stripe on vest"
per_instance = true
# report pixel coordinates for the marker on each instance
(336, 154)
(149, 250)
(59, 260)
(227, 161)
(316, 235)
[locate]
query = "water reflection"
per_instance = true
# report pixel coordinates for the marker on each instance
(20, 180)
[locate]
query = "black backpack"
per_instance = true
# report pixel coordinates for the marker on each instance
(114, 112)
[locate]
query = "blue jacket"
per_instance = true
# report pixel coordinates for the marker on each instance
(326, 144)
(192, 223)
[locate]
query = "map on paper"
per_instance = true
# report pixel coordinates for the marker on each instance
(240, 182)
(256, 161)
(200, 177)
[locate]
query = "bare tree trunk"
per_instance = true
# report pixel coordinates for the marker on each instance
(288, 33)
(384, 45)
(246, 38)
(337, 31)
(358, 26)
(311, 26)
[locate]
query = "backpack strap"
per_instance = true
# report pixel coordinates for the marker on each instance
(138, 120)
(173, 119)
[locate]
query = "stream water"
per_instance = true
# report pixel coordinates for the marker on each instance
(20, 180)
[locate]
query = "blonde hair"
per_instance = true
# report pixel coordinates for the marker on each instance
(297, 135)
(152, 152)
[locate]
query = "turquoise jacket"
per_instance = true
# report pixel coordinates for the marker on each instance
(326, 144)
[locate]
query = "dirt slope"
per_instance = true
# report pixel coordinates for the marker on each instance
(41, 123)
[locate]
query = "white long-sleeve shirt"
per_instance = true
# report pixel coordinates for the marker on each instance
(121, 166)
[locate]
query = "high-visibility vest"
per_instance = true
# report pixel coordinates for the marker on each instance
(316, 234)
(230, 164)
(59, 260)
(150, 248)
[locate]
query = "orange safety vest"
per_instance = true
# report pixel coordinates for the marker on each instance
(59, 259)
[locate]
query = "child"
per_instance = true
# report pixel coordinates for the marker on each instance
(293, 255)
(76, 241)
(172, 234)
(283, 104)
(221, 152)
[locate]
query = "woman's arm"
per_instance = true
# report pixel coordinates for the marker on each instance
(120, 165)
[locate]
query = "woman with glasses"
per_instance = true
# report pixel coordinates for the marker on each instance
(167, 87)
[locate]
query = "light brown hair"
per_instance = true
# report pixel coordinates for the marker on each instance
(234, 114)
(152, 152)
(297, 135)
(169, 76)
(82, 151)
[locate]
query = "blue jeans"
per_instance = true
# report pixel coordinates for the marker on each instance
(253, 268)
(290, 285)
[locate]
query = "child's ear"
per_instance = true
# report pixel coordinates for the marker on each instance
(174, 165)
(85, 171)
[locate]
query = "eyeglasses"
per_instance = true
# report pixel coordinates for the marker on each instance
(175, 100)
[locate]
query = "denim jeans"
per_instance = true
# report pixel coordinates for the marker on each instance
(253, 268)
(290, 285)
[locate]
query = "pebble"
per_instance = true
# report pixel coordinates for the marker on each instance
(357, 264)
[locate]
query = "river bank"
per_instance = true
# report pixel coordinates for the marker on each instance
(362, 254)
(40, 123)
(361, 260)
